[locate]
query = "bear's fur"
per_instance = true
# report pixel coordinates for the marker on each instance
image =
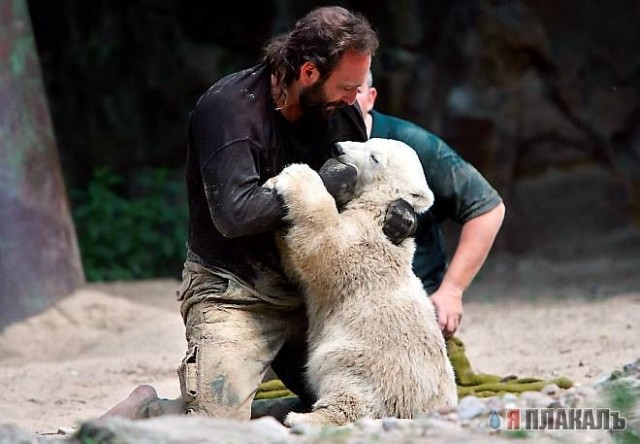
(375, 348)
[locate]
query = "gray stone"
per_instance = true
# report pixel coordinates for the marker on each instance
(470, 407)
(184, 429)
(534, 399)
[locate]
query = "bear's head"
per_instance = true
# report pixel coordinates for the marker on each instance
(387, 170)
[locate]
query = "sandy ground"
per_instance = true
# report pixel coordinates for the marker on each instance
(531, 317)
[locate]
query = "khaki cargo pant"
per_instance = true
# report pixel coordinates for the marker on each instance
(233, 337)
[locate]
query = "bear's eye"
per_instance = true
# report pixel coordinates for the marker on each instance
(374, 158)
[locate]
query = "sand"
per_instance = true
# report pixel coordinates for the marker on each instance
(531, 317)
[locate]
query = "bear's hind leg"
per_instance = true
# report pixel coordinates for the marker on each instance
(335, 410)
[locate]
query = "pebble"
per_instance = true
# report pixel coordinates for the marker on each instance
(550, 390)
(469, 407)
(534, 400)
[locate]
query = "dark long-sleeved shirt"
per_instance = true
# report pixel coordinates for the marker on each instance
(238, 140)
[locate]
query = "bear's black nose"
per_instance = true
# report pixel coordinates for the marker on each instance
(337, 150)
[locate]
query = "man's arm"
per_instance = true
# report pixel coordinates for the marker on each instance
(476, 238)
(241, 206)
(238, 204)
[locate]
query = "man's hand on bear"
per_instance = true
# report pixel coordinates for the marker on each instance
(339, 180)
(400, 222)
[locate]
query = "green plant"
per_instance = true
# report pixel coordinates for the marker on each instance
(131, 230)
(517, 434)
(623, 396)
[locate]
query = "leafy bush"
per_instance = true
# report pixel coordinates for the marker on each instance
(131, 230)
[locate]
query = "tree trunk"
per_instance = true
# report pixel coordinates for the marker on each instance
(39, 258)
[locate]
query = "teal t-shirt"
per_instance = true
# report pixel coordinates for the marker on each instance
(461, 193)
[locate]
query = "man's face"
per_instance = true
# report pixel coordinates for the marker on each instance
(341, 87)
(314, 99)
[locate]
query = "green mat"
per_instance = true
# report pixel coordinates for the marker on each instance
(481, 385)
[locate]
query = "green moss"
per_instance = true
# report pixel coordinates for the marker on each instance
(485, 385)
(469, 383)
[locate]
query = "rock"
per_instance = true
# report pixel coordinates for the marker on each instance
(470, 407)
(534, 400)
(509, 401)
(183, 429)
(551, 390)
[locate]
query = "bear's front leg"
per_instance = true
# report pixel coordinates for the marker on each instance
(305, 197)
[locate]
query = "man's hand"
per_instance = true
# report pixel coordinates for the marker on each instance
(400, 222)
(448, 304)
(339, 179)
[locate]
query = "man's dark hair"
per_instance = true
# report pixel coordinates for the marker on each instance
(321, 37)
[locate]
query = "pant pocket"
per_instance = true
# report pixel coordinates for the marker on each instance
(187, 279)
(188, 375)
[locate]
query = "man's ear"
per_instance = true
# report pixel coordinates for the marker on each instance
(373, 94)
(309, 73)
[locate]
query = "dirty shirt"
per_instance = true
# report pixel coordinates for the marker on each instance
(238, 140)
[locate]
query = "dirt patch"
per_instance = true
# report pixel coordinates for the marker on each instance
(529, 317)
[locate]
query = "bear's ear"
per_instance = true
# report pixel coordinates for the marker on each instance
(421, 200)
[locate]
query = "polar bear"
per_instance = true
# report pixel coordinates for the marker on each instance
(375, 348)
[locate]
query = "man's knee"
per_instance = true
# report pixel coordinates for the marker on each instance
(225, 361)
(230, 344)
(212, 384)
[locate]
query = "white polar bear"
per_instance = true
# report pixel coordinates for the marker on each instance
(375, 348)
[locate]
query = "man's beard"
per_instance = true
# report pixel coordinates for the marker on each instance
(313, 101)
